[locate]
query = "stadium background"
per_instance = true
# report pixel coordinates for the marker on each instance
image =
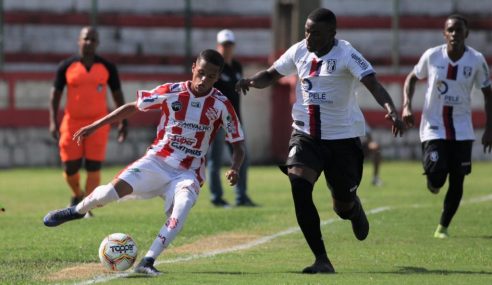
(154, 41)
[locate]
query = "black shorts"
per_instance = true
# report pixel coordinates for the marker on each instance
(340, 160)
(447, 156)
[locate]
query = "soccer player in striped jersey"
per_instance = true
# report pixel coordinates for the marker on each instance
(327, 125)
(446, 129)
(173, 167)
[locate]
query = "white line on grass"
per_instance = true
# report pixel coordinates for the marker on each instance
(251, 244)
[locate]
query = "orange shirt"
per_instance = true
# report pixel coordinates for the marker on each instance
(86, 89)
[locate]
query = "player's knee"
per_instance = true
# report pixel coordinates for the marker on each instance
(346, 210)
(93, 165)
(436, 180)
(71, 167)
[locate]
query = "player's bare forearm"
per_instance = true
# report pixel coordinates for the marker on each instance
(238, 153)
(384, 99)
(260, 80)
(379, 93)
(123, 112)
(409, 89)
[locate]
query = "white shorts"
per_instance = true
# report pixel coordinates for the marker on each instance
(150, 176)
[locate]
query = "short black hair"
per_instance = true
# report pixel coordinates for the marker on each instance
(212, 56)
(459, 18)
(323, 15)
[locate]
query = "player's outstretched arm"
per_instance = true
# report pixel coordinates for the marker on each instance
(238, 153)
(384, 99)
(487, 135)
(260, 80)
(408, 90)
(117, 115)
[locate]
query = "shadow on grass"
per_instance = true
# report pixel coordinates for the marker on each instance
(404, 270)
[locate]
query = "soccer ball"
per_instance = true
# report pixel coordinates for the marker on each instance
(118, 252)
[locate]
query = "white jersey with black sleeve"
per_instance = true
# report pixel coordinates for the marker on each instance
(326, 106)
(447, 107)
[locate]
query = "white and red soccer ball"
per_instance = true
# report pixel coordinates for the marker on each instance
(118, 252)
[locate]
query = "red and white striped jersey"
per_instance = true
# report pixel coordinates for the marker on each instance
(326, 106)
(188, 123)
(447, 107)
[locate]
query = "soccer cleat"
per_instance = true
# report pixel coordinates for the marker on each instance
(320, 266)
(146, 266)
(441, 232)
(58, 217)
(75, 200)
(360, 224)
(246, 202)
(220, 203)
(376, 181)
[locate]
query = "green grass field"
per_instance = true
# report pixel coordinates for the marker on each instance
(400, 248)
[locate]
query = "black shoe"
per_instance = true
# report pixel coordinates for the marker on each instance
(58, 217)
(246, 202)
(360, 224)
(75, 200)
(320, 266)
(220, 203)
(146, 266)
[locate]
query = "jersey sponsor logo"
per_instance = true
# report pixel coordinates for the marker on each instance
(450, 100)
(186, 150)
(467, 71)
(317, 97)
(442, 87)
(435, 128)
(362, 63)
(306, 84)
(331, 65)
(176, 106)
(189, 126)
(182, 139)
(195, 104)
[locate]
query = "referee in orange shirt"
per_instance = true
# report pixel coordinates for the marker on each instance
(87, 77)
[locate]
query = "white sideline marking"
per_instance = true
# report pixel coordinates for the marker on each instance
(248, 245)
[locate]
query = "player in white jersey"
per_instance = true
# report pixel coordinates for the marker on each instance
(191, 114)
(327, 126)
(446, 129)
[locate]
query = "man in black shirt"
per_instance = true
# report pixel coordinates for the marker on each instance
(231, 73)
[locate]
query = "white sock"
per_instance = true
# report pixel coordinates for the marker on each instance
(101, 196)
(183, 202)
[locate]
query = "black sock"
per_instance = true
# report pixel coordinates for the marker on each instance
(307, 215)
(452, 199)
